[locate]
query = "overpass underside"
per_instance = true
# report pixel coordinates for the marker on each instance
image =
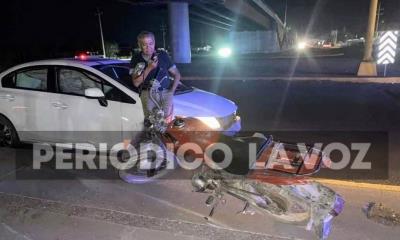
(221, 14)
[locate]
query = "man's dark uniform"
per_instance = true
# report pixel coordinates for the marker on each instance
(138, 64)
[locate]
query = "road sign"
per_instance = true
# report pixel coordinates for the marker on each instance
(387, 47)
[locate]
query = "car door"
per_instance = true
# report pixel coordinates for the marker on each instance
(132, 115)
(81, 119)
(25, 99)
(126, 93)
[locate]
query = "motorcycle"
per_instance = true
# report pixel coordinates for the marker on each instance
(269, 176)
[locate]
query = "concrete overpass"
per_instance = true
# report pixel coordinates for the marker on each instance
(257, 11)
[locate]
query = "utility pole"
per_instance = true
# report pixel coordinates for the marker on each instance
(98, 13)
(164, 34)
(368, 66)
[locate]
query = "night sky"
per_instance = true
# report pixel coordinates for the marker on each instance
(45, 28)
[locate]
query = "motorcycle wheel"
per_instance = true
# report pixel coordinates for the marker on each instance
(281, 206)
(135, 175)
(290, 211)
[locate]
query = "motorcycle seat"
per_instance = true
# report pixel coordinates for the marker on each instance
(245, 152)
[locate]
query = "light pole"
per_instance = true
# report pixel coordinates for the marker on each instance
(368, 66)
(101, 32)
(285, 13)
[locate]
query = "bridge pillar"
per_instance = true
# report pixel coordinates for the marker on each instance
(179, 31)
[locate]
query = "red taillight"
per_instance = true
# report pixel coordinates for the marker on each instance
(83, 57)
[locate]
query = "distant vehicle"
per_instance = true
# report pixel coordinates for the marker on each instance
(357, 41)
(202, 50)
(74, 95)
(84, 55)
(327, 45)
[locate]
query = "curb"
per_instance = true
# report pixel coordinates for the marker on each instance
(381, 80)
(371, 186)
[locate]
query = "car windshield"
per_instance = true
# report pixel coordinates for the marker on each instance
(120, 73)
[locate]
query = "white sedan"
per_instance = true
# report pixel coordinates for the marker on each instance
(61, 101)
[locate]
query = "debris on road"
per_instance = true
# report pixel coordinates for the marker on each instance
(381, 214)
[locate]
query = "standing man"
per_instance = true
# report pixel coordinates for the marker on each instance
(150, 64)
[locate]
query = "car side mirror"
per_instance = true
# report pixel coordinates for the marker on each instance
(96, 93)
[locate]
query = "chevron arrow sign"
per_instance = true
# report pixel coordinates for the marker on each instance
(387, 47)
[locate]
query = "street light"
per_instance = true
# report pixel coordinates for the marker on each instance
(301, 45)
(225, 52)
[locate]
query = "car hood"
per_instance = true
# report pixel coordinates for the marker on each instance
(199, 103)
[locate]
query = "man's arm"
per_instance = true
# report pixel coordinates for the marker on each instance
(138, 75)
(176, 75)
(138, 78)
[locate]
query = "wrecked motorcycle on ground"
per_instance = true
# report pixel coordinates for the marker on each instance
(269, 176)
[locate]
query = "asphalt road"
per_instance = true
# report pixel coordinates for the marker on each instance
(312, 62)
(80, 208)
(332, 109)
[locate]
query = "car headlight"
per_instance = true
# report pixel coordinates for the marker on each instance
(211, 122)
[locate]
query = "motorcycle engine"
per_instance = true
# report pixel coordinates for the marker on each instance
(201, 183)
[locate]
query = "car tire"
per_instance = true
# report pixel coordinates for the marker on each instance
(8, 134)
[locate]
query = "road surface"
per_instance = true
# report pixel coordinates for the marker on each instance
(80, 208)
